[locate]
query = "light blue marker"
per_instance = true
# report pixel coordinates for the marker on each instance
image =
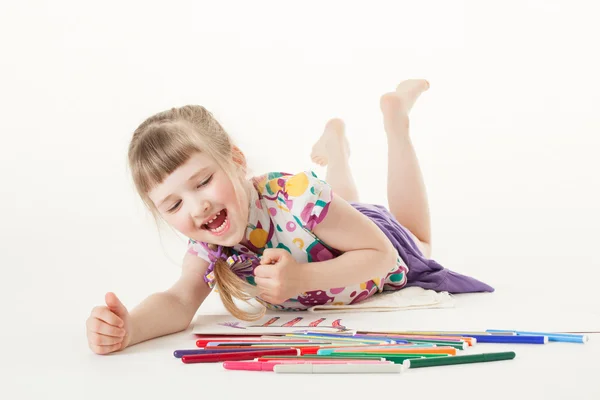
(326, 352)
(348, 338)
(553, 337)
(359, 337)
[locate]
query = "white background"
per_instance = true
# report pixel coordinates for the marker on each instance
(507, 136)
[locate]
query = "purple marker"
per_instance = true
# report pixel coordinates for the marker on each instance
(181, 353)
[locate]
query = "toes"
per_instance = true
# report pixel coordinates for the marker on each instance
(336, 124)
(412, 84)
(322, 161)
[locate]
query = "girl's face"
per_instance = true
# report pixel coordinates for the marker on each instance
(198, 199)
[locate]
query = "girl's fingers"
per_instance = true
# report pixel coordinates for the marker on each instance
(105, 349)
(269, 259)
(101, 327)
(104, 314)
(266, 261)
(103, 340)
(262, 271)
(263, 282)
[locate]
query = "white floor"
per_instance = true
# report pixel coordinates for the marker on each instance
(56, 364)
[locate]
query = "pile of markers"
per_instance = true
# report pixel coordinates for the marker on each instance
(358, 352)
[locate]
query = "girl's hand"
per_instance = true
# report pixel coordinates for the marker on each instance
(109, 327)
(278, 278)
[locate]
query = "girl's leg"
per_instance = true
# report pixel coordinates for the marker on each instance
(407, 197)
(333, 150)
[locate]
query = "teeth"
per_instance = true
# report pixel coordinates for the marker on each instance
(220, 228)
(215, 217)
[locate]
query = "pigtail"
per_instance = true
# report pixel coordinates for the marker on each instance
(232, 286)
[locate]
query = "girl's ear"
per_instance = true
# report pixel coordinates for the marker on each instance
(238, 157)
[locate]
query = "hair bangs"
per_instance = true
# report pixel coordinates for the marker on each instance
(165, 147)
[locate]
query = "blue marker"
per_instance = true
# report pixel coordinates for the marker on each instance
(553, 337)
(510, 339)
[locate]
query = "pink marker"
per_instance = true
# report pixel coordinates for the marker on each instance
(330, 361)
(268, 366)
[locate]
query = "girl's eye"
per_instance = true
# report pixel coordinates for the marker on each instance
(206, 182)
(174, 207)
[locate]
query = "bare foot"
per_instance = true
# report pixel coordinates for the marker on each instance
(397, 105)
(410, 90)
(332, 143)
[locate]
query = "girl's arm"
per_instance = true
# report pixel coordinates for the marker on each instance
(172, 310)
(368, 252)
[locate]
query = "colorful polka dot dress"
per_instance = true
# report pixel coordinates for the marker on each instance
(284, 209)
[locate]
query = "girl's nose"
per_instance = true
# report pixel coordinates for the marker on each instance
(201, 209)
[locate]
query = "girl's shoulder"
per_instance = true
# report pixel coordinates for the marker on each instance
(303, 196)
(274, 183)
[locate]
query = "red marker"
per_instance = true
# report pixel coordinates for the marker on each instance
(309, 350)
(245, 355)
(204, 342)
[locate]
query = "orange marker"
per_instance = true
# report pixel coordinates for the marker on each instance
(428, 350)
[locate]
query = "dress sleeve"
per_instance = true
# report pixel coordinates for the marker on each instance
(308, 198)
(197, 249)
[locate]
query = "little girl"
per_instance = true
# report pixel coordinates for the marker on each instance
(288, 241)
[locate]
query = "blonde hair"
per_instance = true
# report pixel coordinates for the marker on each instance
(167, 140)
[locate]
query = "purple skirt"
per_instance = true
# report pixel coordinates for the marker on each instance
(422, 272)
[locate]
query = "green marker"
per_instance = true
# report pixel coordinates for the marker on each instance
(395, 357)
(473, 358)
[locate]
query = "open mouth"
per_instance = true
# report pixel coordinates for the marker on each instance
(218, 224)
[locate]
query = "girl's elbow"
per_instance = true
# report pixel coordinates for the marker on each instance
(390, 256)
